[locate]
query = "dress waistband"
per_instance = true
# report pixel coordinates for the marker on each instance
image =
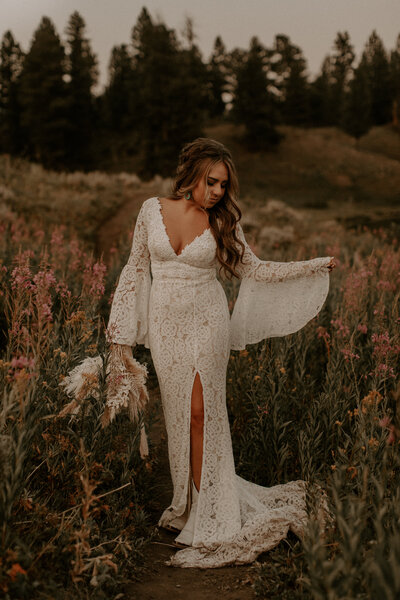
(182, 272)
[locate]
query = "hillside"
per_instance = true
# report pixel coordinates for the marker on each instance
(324, 173)
(314, 167)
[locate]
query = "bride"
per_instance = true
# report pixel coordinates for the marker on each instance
(169, 299)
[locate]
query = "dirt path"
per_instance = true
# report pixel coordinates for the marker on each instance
(160, 582)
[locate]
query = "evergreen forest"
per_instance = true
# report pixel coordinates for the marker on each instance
(161, 92)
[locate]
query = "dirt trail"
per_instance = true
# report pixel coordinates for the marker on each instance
(160, 582)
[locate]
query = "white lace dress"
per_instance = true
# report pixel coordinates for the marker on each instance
(174, 305)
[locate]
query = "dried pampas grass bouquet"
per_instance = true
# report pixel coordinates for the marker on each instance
(126, 387)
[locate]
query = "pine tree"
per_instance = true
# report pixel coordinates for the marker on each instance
(289, 67)
(44, 106)
(217, 78)
(357, 112)
(120, 91)
(82, 72)
(320, 95)
(11, 61)
(376, 62)
(341, 74)
(395, 83)
(253, 104)
(170, 104)
(234, 62)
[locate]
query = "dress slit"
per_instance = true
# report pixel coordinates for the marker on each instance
(197, 373)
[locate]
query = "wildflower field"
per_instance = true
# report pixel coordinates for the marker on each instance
(77, 502)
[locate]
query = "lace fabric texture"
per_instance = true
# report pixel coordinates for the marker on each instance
(182, 316)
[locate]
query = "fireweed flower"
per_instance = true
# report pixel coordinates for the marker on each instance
(21, 367)
(43, 282)
(21, 275)
(355, 288)
(76, 254)
(382, 343)
(341, 328)
(93, 278)
(349, 354)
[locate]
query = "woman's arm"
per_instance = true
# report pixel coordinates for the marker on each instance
(129, 310)
(275, 298)
(270, 271)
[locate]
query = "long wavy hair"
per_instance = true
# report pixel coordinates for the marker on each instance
(196, 160)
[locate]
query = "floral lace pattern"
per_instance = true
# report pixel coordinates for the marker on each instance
(276, 298)
(183, 317)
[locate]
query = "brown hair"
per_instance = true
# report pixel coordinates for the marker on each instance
(196, 159)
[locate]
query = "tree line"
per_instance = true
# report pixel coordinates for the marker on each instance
(161, 92)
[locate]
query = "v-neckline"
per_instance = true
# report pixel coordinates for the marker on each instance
(166, 232)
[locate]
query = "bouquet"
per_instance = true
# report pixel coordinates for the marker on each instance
(126, 387)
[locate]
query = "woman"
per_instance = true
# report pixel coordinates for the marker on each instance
(182, 316)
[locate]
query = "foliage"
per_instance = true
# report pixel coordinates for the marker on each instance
(395, 78)
(170, 97)
(81, 68)
(161, 93)
(290, 81)
(342, 71)
(218, 72)
(11, 60)
(74, 497)
(253, 103)
(357, 113)
(43, 97)
(323, 405)
(378, 71)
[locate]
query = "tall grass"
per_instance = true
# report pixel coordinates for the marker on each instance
(73, 496)
(321, 405)
(324, 405)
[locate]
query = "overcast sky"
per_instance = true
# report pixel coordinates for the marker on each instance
(311, 24)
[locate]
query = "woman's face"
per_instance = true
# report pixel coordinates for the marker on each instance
(208, 192)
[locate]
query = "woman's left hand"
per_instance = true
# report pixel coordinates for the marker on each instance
(332, 264)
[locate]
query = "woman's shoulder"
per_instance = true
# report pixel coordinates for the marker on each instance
(150, 202)
(148, 205)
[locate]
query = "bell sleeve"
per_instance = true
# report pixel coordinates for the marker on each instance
(128, 322)
(276, 298)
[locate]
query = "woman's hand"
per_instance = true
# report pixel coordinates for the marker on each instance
(332, 264)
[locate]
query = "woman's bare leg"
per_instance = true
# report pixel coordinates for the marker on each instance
(196, 430)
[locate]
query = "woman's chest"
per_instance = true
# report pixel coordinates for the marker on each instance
(199, 249)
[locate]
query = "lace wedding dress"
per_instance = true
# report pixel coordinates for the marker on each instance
(180, 312)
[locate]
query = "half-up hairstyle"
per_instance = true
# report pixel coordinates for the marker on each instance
(196, 160)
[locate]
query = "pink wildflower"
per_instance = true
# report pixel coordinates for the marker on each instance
(76, 255)
(22, 362)
(349, 355)
(93, 278)
(342, 329)
(323, 333)
(382, 344)
(21, 276)
(355, 288)
(44, 281)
